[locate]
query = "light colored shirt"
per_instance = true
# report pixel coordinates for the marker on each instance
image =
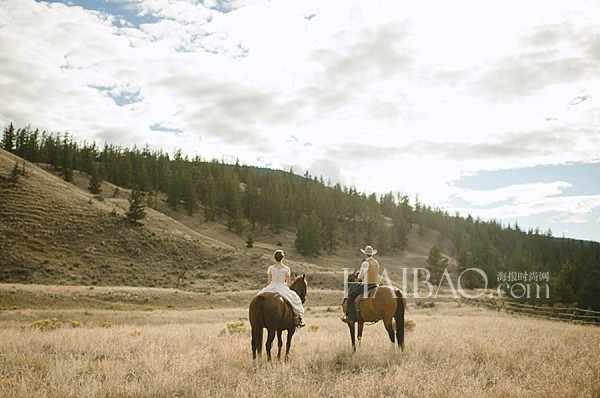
(278, 275)
(277, 285)
(369, 271)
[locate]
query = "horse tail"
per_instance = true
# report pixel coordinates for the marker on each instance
(257, 323)
(400, 309)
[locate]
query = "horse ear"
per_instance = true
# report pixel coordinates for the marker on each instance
(303, 276)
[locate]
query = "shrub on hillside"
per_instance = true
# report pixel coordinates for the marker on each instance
(137, 207)
(46, 324)
(235, 327)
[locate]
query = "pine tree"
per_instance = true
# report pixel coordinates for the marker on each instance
(189, 195)
(309, 239)
(66, 161)
(250, 197)
(382, 236)
(329, 232)
(466, 261)
(303, 232)
(125, 171)
(32, 147)
(95, 181)
(14, 174)
(87, 158)
(8, 138)
(563, 285)
(175, 190)
(236, 224)
(20, 141)
(437, 263)
(137, 206)
(209, 199)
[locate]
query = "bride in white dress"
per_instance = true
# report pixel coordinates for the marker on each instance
(278, 278)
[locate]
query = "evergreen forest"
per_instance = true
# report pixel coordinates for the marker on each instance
(248, 199)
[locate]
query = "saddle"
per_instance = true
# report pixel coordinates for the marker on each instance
(361, 299)
(370, 292)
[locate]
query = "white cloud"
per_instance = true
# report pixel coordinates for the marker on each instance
(562, 209)
(395, 97)
(517, 194)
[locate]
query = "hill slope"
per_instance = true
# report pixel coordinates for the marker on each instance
(54, 232)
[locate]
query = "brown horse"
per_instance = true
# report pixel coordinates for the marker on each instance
(382, 303)
(272, 312)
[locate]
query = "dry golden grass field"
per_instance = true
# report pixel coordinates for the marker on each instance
(452, 351)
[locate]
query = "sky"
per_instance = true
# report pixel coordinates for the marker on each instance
(481, 108)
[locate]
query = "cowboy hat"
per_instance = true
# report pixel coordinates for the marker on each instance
(369, 250)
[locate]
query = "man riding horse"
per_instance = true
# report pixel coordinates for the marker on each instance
(379, 302)
(368, 277)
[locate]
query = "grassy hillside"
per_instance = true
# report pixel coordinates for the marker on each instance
(54, 232)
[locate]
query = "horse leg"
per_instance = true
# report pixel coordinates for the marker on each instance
(390, 329)
(351, 328)
(270, 338)
(256, 344)
(279, 343)
(360, 331)
(288, 343)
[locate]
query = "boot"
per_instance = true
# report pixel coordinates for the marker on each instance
(299, 322)
(347, 319)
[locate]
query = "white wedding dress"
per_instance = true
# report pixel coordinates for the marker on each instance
(278, 285)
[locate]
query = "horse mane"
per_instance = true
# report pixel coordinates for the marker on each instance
(353, 280)
(297, 280)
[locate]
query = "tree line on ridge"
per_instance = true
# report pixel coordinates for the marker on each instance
(324, 216)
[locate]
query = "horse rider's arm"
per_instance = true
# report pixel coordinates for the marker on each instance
(269, 278)
(287, 279)
(363, 271)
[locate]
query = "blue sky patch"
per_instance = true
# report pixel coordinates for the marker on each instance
(583, 177)
(160, 127)
(127, 10)
(121, 97)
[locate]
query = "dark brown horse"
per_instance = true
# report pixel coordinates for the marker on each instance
(383, 303)
(272, 312)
